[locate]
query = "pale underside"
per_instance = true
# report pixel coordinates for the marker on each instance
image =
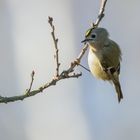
(95, 67)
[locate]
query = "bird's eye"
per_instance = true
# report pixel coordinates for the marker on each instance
(93, 35)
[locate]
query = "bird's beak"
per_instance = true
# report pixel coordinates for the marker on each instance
(85, 40)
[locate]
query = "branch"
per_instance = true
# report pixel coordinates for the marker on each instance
(101, 13)
(32, 80)
(55, 40)
(65, 74)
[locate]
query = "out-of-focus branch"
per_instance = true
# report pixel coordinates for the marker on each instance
(65, 74)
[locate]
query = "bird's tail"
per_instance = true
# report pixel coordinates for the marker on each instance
(118, 89)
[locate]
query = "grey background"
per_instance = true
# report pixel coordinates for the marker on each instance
(75, 109)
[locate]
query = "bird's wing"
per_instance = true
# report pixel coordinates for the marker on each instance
(113, 73)
(110, 69)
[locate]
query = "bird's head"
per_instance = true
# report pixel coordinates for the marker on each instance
(96, 37)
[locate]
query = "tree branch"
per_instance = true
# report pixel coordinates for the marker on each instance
(32, 80)
(65, 74)
(101, 13)
(55, 40)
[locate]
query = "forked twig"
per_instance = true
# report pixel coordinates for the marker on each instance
(65, 74)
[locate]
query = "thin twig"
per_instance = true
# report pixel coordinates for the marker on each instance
(77, 61)
(84, 68)
(32, 80)
(101, 13)
(55, 40)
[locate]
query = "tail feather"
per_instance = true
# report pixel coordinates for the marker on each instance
(115, 80)
(118, 90)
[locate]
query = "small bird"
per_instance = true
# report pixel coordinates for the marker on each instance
(104, 57)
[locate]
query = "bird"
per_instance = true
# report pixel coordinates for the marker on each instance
(104, 57)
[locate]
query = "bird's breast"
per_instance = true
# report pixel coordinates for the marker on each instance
(95, 66)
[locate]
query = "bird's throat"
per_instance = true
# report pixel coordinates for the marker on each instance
(93, 48)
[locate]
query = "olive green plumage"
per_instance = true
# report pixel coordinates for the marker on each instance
(104, 57)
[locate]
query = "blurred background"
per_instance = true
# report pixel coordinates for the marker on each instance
(74, 109)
